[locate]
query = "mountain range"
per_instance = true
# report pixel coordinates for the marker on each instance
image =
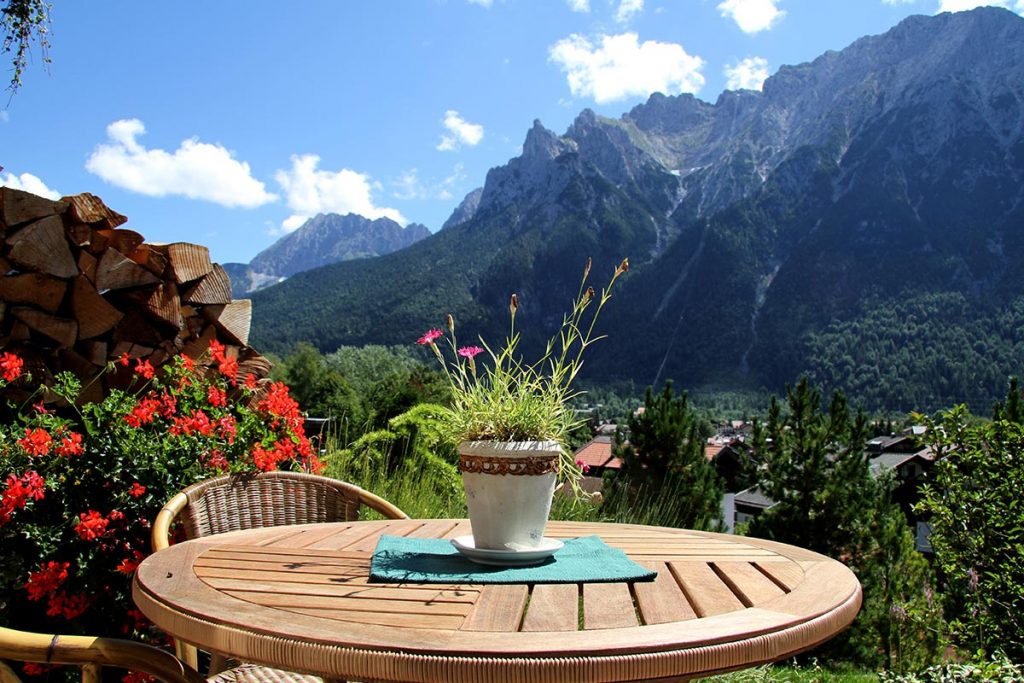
(323, 239)
(858, 220)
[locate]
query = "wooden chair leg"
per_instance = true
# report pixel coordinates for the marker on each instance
(91, 673)
(7, 674)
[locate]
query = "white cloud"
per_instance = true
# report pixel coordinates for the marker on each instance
(961, 5)
(747, 74)
(196, 170)
(628, 9)
(752, 16)
(579, 5)
(310, 191)
(409, 185)
(461, 132)
(28, 183)
(622, 67)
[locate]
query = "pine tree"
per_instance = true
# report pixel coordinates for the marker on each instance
(815, 468)
(664, 468)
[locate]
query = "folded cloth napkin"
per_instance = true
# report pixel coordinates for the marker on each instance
(398, 559)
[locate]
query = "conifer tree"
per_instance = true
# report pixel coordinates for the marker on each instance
(815, 468)
(664, 465)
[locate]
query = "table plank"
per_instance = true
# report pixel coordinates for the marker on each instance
(330, 602)
(498, 608)
(608, 605)
(786, 575)
(706, 591)
(369, 543)
(422, 593)
(750, 585)
(553, 607)
(428, 622)
(346, 537)
(435, 528)
(662, 601)
(302, 537)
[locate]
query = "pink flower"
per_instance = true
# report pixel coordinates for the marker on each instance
(470, 351)
(430, 337)
(582, 465)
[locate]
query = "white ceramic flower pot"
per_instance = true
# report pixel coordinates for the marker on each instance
(509, 486)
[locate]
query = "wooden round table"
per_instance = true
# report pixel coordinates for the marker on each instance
(299, 598)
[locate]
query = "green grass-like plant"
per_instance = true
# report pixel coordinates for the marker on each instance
(510, 399)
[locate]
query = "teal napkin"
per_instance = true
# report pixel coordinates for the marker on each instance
(398, 559)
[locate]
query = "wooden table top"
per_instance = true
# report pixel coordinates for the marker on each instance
(299, 597)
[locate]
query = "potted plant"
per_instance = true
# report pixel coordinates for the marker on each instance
(510, 420)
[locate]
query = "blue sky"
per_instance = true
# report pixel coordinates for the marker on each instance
(229, 122)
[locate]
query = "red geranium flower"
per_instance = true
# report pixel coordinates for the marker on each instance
(137, 490)
(70, 445)
(143, 368)
(216, 396)
(229, 368)
(91, 525)
(67, 606)
(10, 366)
(36, 441)
(46, 580)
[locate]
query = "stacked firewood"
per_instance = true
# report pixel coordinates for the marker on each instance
(77, 292)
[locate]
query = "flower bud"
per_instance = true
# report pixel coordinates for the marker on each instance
(451, 323)
(513, 305)
(586, 271)
(623, 267)
(590, 293)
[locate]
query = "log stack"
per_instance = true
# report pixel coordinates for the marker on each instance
(78, 291)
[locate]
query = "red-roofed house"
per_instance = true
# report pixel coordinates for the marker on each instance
(596, 455)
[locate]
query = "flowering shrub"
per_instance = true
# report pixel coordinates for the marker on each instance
(510, 399)
(79, 485)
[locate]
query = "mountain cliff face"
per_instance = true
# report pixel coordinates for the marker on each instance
(323, 239)
(764, 229)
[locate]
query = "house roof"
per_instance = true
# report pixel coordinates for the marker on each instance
(712, 450)
(753, 497)
(598, 453)
(890, 461)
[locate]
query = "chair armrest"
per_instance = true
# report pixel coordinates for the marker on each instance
(382, 506)
(161, 535)
(86, 650)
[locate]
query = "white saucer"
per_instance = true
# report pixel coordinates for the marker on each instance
(512, 557)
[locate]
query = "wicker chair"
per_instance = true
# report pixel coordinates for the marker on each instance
(92, 654)
(252, 501)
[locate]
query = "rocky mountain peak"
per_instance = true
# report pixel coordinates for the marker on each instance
(466, 209)
(541, 144)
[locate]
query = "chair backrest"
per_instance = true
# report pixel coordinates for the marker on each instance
(249, 501)
(90, 654)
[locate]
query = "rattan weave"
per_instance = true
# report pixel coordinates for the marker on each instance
(252, 501)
